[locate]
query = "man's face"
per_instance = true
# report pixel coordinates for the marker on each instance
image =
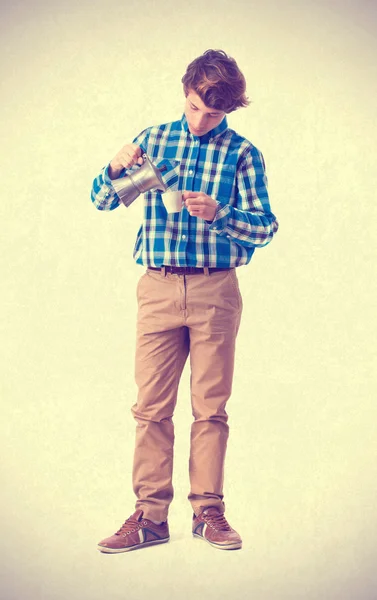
(201, 118)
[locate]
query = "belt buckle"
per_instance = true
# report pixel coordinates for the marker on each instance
(172, 270)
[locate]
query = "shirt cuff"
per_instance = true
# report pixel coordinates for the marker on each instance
(108, 190)
(220, 219)
(105, 176)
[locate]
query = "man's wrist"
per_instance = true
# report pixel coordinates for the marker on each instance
(216, 210)
(113, 173)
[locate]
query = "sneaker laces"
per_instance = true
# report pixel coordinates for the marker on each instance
(218, 522)
(128, 525)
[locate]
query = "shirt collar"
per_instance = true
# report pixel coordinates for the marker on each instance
(220, 128)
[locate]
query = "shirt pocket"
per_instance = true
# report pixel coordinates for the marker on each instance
(221, 182)
(169, 170)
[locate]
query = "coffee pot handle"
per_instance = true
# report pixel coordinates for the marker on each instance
(146, 158)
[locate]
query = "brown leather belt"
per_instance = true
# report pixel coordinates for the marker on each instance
(187, 270)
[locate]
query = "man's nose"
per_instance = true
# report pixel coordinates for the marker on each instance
(199, 121)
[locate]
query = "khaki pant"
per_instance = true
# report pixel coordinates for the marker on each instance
(178, 315)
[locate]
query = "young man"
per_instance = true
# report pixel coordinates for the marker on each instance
(188, 298)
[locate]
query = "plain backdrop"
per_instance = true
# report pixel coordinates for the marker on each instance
(79, 80)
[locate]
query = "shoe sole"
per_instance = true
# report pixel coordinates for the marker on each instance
(106, 550)
(235, 546)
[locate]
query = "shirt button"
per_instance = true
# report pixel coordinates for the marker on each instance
(191, 172)
(183, 237)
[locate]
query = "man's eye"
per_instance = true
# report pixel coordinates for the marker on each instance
(194, 108)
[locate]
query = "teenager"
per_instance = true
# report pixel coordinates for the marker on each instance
(189, 302)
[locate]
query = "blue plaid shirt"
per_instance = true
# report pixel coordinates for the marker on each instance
(223, 165)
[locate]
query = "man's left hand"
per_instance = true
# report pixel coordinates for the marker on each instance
(200, 205)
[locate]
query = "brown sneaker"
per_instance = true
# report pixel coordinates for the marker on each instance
(212, 526)
(135, 533)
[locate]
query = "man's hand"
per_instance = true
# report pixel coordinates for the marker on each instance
(200, 205)
(128, 156)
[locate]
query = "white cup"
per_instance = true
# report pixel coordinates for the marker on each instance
(172, 201)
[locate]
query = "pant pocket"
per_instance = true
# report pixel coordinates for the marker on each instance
(139, 285)
(232, 276)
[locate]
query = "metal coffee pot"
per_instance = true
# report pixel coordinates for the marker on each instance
(146, 177)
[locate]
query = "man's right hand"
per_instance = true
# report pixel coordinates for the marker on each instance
(128, 156)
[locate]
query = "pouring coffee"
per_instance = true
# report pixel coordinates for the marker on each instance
(147, 177)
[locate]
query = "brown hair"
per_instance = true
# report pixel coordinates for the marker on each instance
(217, 80)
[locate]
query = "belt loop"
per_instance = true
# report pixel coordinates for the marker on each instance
(163, 271)
(206, 271)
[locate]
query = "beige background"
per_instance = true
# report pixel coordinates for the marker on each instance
(80, 79)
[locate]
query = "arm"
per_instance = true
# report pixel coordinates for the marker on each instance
(252, 224)
(103, 194)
